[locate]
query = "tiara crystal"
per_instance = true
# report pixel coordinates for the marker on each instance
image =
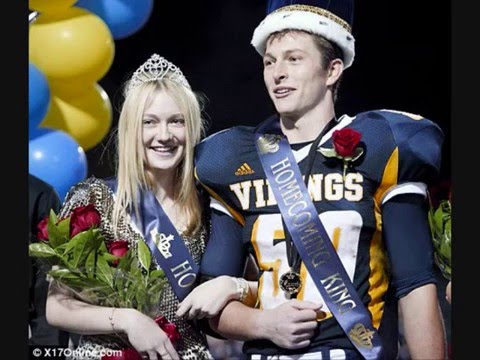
(156, 68)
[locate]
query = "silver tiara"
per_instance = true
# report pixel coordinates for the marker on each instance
(156, 68)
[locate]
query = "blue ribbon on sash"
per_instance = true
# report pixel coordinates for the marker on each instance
(166, 245)
(312, 241)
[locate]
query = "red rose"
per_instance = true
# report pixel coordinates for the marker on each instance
(117, 248)
(345, 141)
(169, 328)
(42, 233)
(84, 218)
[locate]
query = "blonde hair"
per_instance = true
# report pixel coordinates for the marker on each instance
(131, 173)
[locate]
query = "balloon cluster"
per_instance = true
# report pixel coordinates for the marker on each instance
(71, 47)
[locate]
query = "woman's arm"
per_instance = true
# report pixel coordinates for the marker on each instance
(209, 298)
(68, 313)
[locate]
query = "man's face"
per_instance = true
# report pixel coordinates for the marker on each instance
(293, 74)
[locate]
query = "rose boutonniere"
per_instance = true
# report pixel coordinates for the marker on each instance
(345, 147)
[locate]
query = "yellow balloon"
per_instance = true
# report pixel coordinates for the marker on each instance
(86, 117)
(50, 6)
(74, 45)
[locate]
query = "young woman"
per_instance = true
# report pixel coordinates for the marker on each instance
(152, 194)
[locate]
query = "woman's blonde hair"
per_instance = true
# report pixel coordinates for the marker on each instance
(130, 162)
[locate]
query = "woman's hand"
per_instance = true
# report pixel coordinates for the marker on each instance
(208, 299)
(145, 335)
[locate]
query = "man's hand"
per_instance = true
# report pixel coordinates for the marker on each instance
(292, 324)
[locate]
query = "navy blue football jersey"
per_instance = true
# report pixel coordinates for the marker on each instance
(402, 154)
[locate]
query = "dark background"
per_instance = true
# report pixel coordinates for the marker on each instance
(402, 62)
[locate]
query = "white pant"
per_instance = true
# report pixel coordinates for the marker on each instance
(335, 354)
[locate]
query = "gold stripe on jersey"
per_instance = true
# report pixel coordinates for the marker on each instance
(259, 258)
(236, 215)
(266, 266)
(378, 258)
(378, 279)
(390, 177)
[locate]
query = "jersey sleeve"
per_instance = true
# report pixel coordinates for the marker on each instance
(408, 242)
(225, 253)
(416, 153)
(216, 164)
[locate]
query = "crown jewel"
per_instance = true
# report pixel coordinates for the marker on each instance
(156, 68)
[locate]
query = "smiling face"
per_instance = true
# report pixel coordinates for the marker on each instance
(293, 74)
(163, 133)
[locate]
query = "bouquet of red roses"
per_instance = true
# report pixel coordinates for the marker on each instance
(75, 253)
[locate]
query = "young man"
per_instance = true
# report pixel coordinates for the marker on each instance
(333, 209)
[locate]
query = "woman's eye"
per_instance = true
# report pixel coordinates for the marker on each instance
(179, 121)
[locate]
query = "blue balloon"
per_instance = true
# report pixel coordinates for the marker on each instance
(38, 97)
(123, 17)
(55, 157)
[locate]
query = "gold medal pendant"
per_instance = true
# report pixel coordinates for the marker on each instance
(290, 282)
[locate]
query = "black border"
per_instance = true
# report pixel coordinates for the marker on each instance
(465, 98)
(14, 26)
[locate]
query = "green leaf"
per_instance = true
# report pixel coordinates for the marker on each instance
(74, 279)
(91, 265)
(104, 271)
(157, 273)
(103, 247)
(125, 261)
(41, 250)
(63, 228)
(80, 246)
(61, 248)
(131, 289)
(328, 153)
(438, 220)
(52, 217)
(141, 296)
(110, 258)
(144, 255)
(56, 235)
(441, 226)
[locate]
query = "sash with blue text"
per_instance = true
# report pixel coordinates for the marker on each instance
(281, 167)
(166, 245)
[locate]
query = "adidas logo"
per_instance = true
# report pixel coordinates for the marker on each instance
(245, 169)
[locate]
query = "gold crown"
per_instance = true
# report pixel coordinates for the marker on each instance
(361, 336)
(156, 68)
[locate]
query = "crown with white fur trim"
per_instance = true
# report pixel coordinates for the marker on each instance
(331, 19)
